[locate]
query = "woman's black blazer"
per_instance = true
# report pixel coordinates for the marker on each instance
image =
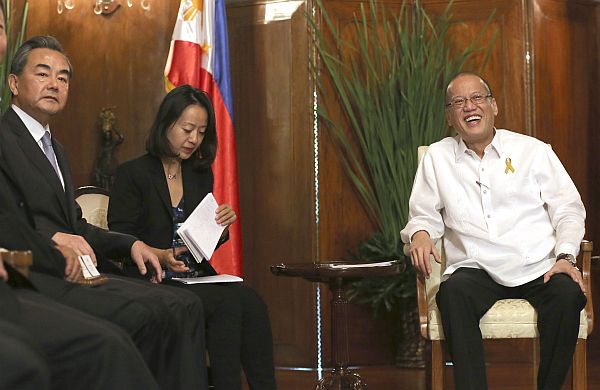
(140, 203)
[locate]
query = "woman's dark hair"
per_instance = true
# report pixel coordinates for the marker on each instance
(169, 111)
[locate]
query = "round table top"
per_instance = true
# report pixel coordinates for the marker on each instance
(323, 272)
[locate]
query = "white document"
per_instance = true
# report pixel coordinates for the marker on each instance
(87, 267)
(223, 278)
(200, 232)
(359, 265)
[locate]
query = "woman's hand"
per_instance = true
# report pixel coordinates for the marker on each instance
(167, 258)
(225, 215)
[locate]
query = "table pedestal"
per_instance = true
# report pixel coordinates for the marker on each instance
(340, 378)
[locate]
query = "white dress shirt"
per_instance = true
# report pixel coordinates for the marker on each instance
(37, 131)
(509, 222)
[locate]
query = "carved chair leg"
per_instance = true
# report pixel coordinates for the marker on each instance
(535, 358)
(427, 355)
(437, 365)
(580, 366)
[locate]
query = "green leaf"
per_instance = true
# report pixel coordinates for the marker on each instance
(13, 44)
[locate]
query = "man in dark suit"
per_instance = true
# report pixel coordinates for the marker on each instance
(44, 344)
(165, 323)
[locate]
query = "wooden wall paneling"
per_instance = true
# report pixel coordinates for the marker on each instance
(118, 61)
(567, 80)
(505, 70)
(566, 93)
(343, 221)
(273, 116)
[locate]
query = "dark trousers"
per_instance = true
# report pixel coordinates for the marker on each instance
(63, 348)
(23, 363)
(469, 293)
(165, 323)
(238, 335)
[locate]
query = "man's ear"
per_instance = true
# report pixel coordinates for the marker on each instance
(13, 84)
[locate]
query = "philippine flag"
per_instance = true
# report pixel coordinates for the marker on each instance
(199, 57)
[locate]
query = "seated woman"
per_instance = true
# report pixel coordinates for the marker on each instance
(153, 194)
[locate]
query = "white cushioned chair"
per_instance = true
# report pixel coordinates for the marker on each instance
(508, 318)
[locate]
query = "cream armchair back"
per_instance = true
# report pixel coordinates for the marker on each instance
(94, 205)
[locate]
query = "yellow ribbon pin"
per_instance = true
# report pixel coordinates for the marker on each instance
(509, 166)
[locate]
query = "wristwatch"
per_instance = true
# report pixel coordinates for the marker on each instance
(569, 257)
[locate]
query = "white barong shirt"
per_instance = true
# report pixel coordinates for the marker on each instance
(509, 213)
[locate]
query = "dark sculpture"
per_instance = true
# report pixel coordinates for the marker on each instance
(111, 138)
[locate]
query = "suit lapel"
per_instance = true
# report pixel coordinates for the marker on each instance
(36, 156)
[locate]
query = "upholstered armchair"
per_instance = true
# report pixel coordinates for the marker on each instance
(507, 319)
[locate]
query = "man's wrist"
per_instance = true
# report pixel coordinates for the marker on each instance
(568, 257)
(412, 238)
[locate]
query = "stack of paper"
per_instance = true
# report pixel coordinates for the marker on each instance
(359, 265)
(200, 231)
(223, 278)
(87, 267)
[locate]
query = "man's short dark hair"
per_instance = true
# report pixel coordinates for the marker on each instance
(169, 111)
(38, 42)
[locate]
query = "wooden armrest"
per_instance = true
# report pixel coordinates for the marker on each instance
(421, 298)
(585, 264)
(95, 281)
(19, 260)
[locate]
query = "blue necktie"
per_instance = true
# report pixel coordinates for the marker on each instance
(49, 151)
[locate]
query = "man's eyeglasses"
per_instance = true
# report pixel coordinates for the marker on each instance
(460, 101)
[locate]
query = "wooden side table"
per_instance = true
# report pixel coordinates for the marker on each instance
(337, 275)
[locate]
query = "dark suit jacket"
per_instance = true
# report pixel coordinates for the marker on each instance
(16, 229)
(53, 209)
(16, 232)
(140, 203)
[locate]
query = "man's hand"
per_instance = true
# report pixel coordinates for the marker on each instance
(167, 257)
(421, 247)
(3, 274)
(142, 254)
(76, 243)
(225, 215)
(564, 267)
(73, 269)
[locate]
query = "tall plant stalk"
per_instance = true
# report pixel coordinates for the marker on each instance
(14, 38)
(388, 80)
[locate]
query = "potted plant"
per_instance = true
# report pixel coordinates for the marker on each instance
(388, 80)
(14, 38)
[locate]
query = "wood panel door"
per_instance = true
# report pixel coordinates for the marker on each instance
(567, 106)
